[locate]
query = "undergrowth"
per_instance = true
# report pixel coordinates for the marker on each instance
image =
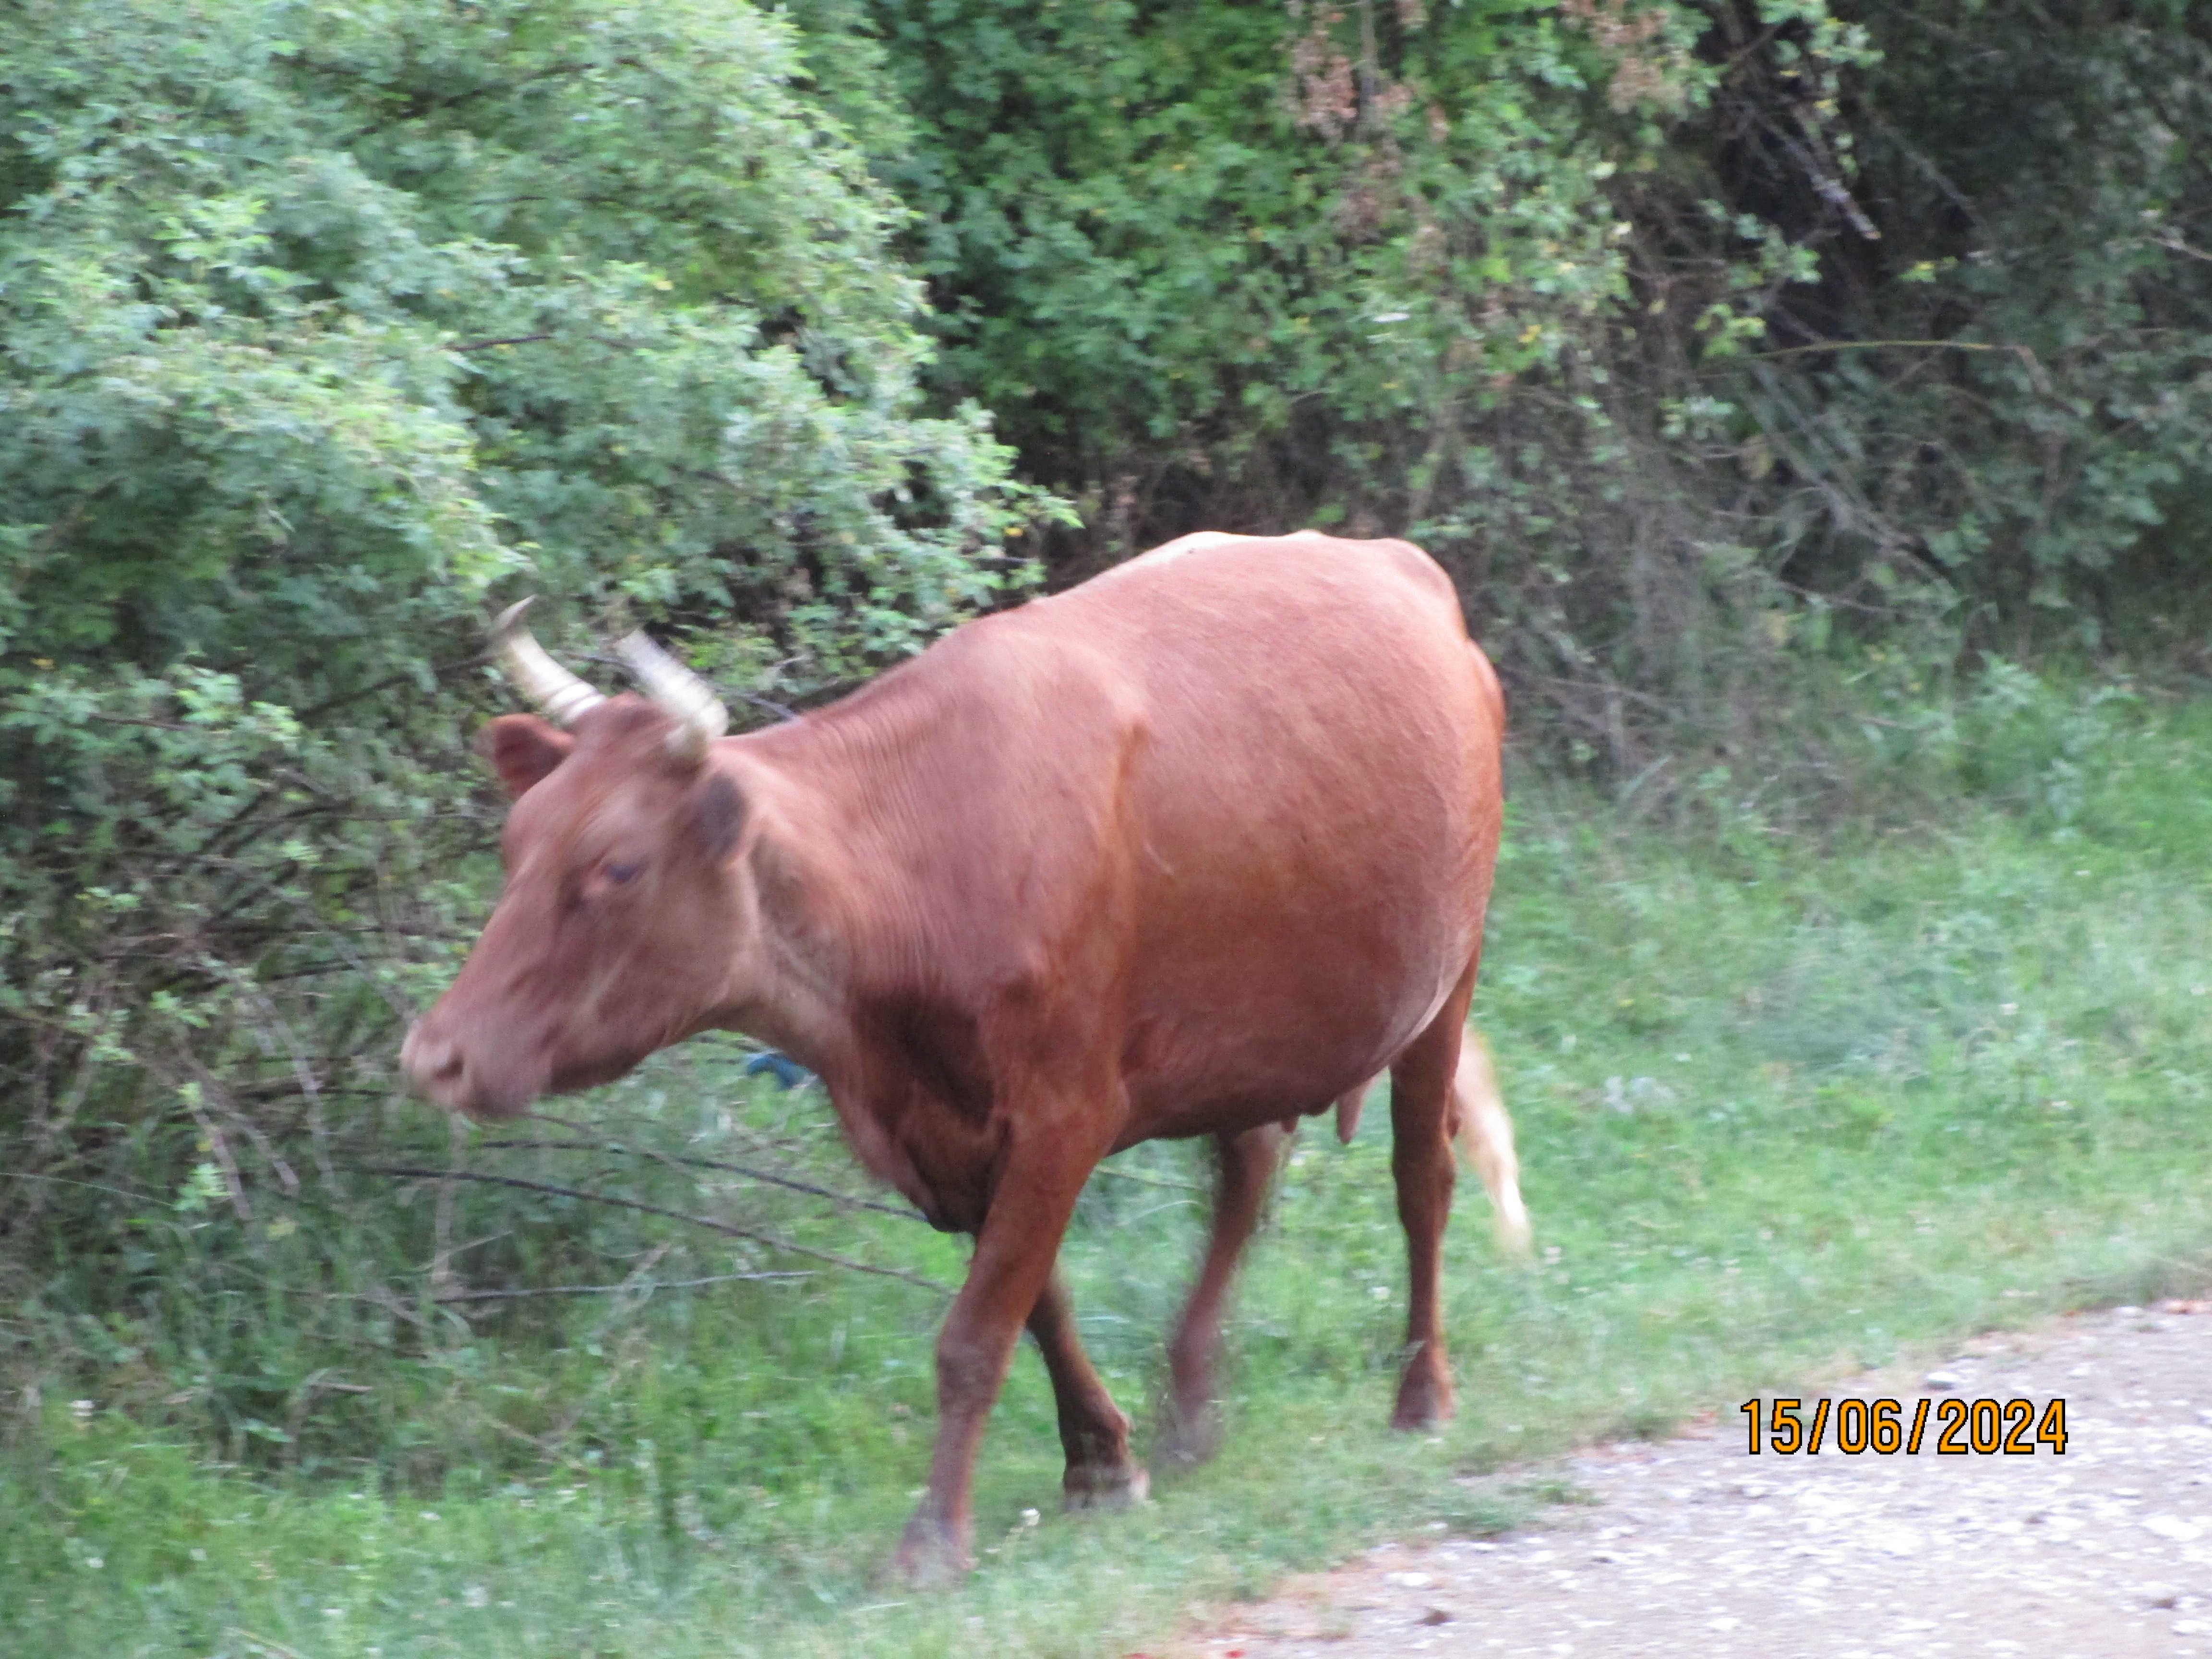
(1791, 1099)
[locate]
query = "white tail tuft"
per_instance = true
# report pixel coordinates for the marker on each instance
(1485, 1134)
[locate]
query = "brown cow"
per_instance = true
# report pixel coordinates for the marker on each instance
(1191, 849)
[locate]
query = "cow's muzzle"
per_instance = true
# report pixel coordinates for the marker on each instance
(440, 1069)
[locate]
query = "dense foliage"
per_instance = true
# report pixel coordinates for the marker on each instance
(1733, 355)
(1764, 369)
(319, 325)
(1217, 262)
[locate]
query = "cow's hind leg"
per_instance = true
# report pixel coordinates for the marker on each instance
(1093, 1431)
(1422, 1121)
(1193, 1431)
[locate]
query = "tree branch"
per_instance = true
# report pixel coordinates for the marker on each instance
(512, 339)
(646, 1289)
(751, 1174)
(413, 1173)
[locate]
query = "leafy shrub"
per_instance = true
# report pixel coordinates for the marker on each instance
(318, 326)
(1754, 366)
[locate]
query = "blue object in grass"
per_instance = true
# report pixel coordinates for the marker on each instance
(788, 1074)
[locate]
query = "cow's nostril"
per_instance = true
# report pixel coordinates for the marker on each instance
(433, 1064)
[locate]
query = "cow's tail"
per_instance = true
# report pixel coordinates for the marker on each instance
(1481, 1129)
(1479, 1124)
(1484, 1134)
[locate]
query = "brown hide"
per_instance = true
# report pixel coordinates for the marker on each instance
(1194, 848)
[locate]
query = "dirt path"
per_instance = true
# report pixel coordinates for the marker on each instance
(1690, 1546)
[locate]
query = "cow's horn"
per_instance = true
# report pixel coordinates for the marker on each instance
(700, 716)
(535, 675)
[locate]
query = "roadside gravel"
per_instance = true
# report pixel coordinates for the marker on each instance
(1690, 1546)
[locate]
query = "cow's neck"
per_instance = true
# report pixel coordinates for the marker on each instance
(803, 871)
(824, 936)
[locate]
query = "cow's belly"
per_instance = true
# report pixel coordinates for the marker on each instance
(1283, 1036)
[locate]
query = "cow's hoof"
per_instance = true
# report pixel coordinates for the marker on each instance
(1190, 1435)
(1104, 1486)
(1425, 1400)
(930, 1557)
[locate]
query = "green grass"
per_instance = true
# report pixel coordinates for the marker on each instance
(1787, 1104)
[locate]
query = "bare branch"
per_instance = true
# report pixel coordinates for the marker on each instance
(1150, 1180)
(512, 339)
(750, 1173)
(623, 1289)
(414, 1173)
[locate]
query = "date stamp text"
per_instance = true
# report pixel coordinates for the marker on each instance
(1960, 1428)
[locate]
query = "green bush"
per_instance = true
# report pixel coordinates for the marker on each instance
(320, 328)
(1755, 366)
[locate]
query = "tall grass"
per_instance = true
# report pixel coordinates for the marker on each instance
(1788, 1103)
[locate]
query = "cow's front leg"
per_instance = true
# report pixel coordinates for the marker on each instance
(1093, 1430)
(1014, 1255)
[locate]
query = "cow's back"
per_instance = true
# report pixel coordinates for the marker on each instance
(1228, 809)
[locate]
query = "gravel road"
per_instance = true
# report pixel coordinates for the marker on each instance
(1690, 1546)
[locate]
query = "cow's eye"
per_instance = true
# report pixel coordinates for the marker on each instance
(619, 872)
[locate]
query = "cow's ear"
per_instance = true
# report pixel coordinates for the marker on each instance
(718, 815)
(523, 748)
